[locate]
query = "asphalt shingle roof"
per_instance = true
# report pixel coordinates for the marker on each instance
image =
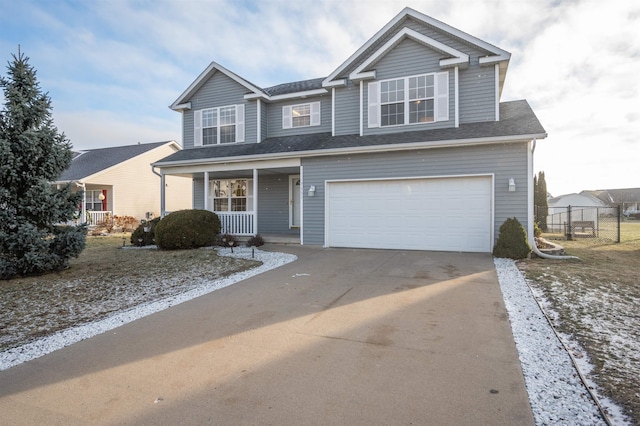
(93, 161)
(516, 118)
(294, 87)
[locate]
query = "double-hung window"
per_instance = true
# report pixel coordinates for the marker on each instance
(219, 125)
(302, 115)
(231, 195)
(409, 100)
(92, 200)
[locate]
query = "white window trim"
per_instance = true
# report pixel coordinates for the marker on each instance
(197, 124)
(440, 100)
(314, 115)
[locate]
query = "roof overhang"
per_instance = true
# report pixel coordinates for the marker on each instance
(285, 96)
(355, 150)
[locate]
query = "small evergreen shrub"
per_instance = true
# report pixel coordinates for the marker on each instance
(227, 240)
(512, 241)
(537, 231)
(187, 229)
(140, 238)
(255, 241)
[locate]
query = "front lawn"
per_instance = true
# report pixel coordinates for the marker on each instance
(596, 300)
(105, 279)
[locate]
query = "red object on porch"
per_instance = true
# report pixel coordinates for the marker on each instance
(104, 202)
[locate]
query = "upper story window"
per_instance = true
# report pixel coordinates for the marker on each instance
(302, 115)
(218, 125)
(409, 100)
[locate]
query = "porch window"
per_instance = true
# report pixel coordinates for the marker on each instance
(93, 201)
(232, 195)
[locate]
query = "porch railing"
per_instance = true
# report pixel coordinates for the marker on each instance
(237, 223)
(95, 217)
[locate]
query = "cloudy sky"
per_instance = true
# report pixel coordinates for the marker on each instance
(112, 67)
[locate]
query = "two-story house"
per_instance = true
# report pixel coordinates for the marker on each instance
(404, 145)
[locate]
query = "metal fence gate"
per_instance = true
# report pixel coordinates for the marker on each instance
(573, 222)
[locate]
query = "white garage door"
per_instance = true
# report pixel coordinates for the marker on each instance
(442, 214)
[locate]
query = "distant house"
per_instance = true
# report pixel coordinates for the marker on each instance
(405, 145)
(582, 209)
(628, 198)
(120, 181)
(583, 199)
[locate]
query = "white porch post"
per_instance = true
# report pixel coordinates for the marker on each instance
(206, 190)
(83, 218)
(255, 201)
(163, 188)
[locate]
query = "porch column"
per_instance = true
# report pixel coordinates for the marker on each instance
(206, 190)
(255, 201)
(163, 188)
(83, 218)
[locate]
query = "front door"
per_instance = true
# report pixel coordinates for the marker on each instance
(294, 201)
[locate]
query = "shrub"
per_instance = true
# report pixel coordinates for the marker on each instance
(227, 240)
(512, 241)
(186, 229)
(255, 241)
(537, 231)
(140, 238)
(126, 223)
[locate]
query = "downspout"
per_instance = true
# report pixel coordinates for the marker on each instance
(532, 240)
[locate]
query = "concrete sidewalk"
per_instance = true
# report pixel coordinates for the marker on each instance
(341, 336)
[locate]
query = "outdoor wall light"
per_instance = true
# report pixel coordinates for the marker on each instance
(512, 184)
(101, 197)
(312, 191)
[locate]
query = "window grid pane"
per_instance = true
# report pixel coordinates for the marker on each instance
(209, 136)
(301, 115)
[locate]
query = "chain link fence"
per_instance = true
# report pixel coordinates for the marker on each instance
(580, 222)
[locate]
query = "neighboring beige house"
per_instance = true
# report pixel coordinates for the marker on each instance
(120, 181)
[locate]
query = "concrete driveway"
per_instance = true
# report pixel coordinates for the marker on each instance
(341, 336)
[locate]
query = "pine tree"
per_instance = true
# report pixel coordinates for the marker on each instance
(32, 155)
(540, 200)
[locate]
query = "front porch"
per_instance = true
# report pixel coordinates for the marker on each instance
(249, 201)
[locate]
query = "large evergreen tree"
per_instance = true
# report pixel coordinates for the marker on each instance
(32, 155)
(540, 200)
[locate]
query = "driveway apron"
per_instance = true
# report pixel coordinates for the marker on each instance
(340, 336)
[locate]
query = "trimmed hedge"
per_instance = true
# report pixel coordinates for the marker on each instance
(512, 241)
(187, 229)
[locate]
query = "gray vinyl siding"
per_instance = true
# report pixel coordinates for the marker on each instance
(274, 117)
(503, 160)
(218, 91)
(406, 59)
(273, 205)
(477, 93)
(198, 193)
(264, 127)
(347, 105)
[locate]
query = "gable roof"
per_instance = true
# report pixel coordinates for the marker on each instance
(355, 66)
(395, 29)
(182, 104)
(517, 122)
(616, 196)
(92, 161)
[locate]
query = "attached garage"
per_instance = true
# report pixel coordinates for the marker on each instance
(440, 214)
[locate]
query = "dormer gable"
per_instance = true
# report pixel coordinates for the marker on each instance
(402, 26)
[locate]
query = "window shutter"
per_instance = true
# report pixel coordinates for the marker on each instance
(442, 96)
(239, 123)
(287, 122)
(315, 113)
(373, 112)
(197, 128)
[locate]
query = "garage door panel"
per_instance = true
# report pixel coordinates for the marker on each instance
(452, 214)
